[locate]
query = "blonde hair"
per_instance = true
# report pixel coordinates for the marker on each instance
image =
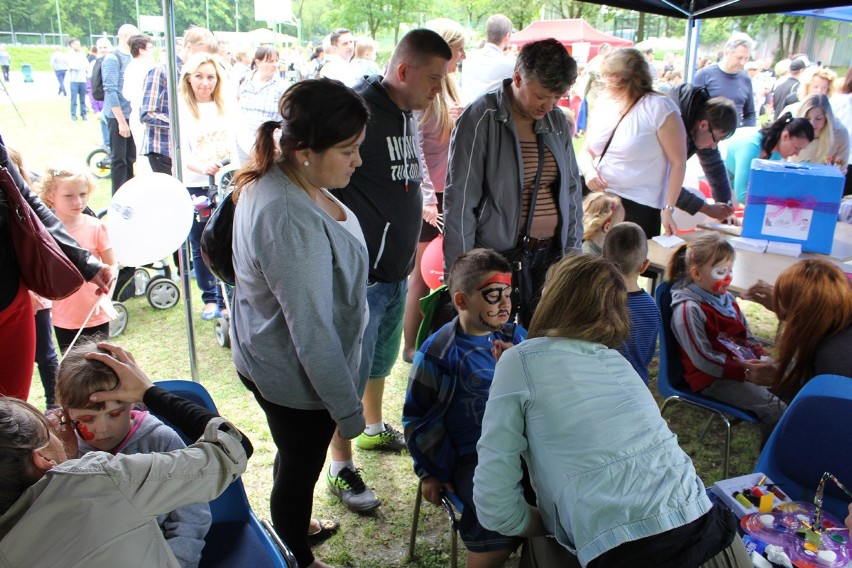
(363, 46)
(454, 34)
(709, 248)
(584, 298)
(63, 173)
(598, 208)
(191, 66)
(809, 74)
(824, 139)
(195, 35)
(632, 68)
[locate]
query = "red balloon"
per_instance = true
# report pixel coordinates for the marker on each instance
(432, 263)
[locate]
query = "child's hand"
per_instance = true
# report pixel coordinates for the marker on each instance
(65, 430)
(432, 489)
(760, 372)
(498, 346)
(132, 380)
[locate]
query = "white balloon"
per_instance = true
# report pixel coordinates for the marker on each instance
(148, 219)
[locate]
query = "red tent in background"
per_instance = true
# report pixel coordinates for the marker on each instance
(568, 32)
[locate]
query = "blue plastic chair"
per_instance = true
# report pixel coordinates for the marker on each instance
(813, 437)
(236, 537)
(673, 387)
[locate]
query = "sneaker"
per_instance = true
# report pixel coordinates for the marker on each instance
(350, 488)
(389, 440)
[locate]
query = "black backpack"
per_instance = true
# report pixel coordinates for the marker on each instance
(98, 80)
(98, 77)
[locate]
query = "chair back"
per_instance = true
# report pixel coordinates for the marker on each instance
(813, 437)
(670, 379)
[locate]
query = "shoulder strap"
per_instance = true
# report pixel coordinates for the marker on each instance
(534, 195)
(612, 135)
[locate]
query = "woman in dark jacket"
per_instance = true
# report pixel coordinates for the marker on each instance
(17, 324)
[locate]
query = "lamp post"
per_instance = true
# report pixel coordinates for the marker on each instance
(237, 16)
(59, 21)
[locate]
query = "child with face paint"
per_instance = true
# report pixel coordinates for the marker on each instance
(115, 427)
(703, 310)
(448, 388)
(601, 212)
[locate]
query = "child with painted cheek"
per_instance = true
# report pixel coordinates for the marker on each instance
(712, 331)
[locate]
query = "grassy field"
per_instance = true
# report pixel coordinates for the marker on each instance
(158, 339)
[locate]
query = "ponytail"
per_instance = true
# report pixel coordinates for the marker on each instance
(677, 270)
(262, 157)
(797, 127)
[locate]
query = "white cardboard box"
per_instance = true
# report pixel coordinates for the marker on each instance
(725, 489)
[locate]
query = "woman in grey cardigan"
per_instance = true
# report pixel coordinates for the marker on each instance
(300, 299)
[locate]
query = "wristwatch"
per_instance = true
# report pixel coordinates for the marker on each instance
(670, 208)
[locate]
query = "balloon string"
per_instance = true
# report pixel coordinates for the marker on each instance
(88, 317)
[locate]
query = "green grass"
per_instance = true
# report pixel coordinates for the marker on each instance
(37, 56)
(158, 340)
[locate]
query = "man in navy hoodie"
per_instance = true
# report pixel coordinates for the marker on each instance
(384, 193)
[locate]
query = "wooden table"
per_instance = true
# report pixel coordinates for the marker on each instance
(841, 248)
(749, 267)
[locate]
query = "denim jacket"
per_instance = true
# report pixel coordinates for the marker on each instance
(604, 465)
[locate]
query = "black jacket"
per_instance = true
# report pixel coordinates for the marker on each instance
(9, 275)
(691, 100)
(384, 193)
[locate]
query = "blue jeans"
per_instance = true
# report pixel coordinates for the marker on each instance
(45, 355)
(78, 91)
(60, 77)
(382, 337)
(203, 277)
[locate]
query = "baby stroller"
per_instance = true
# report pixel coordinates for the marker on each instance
(159, 289)
(221, 185)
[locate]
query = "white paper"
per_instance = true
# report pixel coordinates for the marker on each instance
(786, 249)
(787, 222)
(751, 245)
(668, 241)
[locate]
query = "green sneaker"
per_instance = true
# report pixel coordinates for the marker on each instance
(350, 488)
(388, 440)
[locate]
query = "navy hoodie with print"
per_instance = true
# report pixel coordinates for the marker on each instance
(384, 193)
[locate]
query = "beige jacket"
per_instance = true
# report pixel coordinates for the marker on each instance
(101, 510)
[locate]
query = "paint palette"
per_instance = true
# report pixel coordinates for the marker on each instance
(789, 527)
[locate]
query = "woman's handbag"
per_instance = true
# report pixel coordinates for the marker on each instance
(217, 241)
(44, 268)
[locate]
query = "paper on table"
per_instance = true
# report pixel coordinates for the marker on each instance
(786, 249)
(669, 241)
(751, 245)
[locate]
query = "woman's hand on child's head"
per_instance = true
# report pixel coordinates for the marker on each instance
(433, 489)
(64, 428)
(759, 371)
(132, 380)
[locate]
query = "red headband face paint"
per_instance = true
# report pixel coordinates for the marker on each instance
(496, 288)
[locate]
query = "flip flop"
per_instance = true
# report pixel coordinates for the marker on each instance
(326, 530)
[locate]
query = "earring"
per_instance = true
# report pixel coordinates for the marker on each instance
(306, 163)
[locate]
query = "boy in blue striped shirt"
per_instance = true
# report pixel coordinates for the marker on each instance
(627, 247)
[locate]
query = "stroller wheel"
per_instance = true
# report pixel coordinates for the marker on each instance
(141, 278)
(222, 329)
(162, 293)
(99, 163)
(119, 324)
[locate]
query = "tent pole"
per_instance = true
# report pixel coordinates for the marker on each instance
(169, 15)
(693, 39)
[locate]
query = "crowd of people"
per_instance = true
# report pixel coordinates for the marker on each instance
(353, 170)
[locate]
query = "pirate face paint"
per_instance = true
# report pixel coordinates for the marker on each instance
(490, 307)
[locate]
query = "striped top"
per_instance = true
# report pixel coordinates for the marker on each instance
(546, 214)
(644, 326)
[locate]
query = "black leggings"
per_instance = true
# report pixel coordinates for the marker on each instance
(64, 336)
(302, 438)
(648, 218)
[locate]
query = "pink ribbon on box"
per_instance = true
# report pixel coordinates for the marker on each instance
(804, 202)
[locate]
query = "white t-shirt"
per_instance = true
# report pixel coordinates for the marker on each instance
(635, 166)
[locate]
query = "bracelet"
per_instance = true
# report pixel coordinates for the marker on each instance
(669, 208)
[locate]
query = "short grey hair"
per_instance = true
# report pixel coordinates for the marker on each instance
(739, 40)
(497, 27)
